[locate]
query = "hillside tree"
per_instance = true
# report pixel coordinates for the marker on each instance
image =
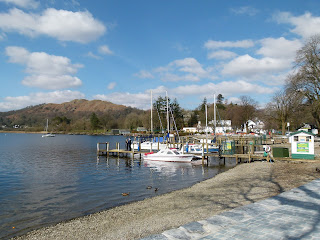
(94, 121)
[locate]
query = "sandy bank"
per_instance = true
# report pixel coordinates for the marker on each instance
(244, 184)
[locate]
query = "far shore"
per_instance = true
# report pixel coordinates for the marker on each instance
(242, 185)
(3, 131)
(43, 132)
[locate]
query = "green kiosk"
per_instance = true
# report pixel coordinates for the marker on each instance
(302, 145)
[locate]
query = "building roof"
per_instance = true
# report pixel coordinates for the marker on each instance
(308, 133)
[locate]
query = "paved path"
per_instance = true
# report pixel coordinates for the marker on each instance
(290, 215)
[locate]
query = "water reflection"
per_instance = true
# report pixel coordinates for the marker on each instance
(47, 180)
(169, 168)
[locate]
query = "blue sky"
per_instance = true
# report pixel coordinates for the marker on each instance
(54, 51)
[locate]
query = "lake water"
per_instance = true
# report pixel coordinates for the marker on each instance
(44, 181)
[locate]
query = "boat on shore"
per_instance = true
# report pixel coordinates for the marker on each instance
(168, 155)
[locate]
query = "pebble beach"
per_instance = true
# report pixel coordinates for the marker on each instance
(242, 185)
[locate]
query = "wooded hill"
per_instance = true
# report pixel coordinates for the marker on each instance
(74, 115)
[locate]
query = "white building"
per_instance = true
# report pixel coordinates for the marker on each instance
(190, 129)
(256, 126)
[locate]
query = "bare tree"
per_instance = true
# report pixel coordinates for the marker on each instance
(248, 109)
(282, 106)
(307, 79)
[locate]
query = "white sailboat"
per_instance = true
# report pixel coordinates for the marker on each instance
(149, 145)
(47, 133)
(168, 154)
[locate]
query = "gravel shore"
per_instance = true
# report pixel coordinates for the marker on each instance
(244, 184)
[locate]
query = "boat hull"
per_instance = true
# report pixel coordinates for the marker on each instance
(48, 135)
(182, 159)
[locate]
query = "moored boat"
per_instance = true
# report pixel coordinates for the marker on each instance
(47, 133)
(168, 155)
(197, 148)
(148, 145)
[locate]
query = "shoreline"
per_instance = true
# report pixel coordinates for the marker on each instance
(241, 185)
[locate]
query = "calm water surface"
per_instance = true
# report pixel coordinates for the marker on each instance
(44, 181)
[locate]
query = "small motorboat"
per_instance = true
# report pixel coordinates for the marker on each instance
(168, 155)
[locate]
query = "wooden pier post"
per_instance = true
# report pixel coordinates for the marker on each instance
(182, 146)
(202, 152)
(98, 148)
(107, 148)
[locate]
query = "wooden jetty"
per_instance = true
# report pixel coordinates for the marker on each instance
(245, 148)
(103, 149)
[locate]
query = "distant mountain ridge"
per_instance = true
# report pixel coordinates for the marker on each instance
(75, 110)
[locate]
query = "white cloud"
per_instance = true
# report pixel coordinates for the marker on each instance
(181, 48)
(170, 77)
(104, 49)
(111, 85)
(221, 55)
(60, 24)
(247, 66)
(246, 10)
(187, 69)
(276, 79)
(92, 55)
(143, 74)
(277, 58)
(46, 71)
(210, 44)
(137, 100)
(51, 82)
(279, 47)
(23, 3)
(14, 103)
(234, 100)
(2, 36)
(226, 88)
(305, 25)
(189, 65)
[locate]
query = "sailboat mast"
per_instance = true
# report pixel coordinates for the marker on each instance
(151, 115)
(47, 125)
(206, 123)
(167, 112)
(215, 118)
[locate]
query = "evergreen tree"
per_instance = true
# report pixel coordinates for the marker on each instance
(94, 121)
